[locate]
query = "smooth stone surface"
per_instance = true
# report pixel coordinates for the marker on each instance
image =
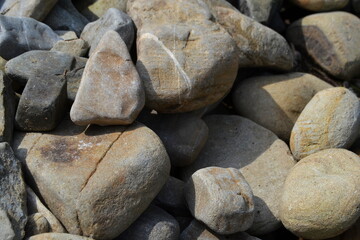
(12, 190)
(6, 231)
(183, 135)
(36, 9)
(36, 224)
(153, 224)
(221, 198)
(111, 91)
(331, 40)
(77, 47)
(330, 177)
(96, 9)
(7, 109)
(240, 143)
(258, 45)
(58, 236)
(321, 5)
(185, 66)
(276, 101)
(94, 165)
(330, 120)
(262, 11)
(64, 16)
(19, 35)
(113, 19)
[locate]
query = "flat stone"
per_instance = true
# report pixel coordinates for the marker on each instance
(12, 190)
(258, 45)
(153, 224)
(185, 59)
(96, 9)
(237, 142)
(36, 9)
(19, 35)
(261, 11)
(330, 177)
(111, 91)
(221, 198)
(320, 5)
(330, 120)
(58, 236)
(94, 165)
(113, 19)
(7, 109)
(64, 16)
(36, 224)
(276, 101)
(6, 231)
(331, 40)
(77, 47)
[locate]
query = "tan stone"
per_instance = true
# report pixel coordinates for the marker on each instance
(58, 236)
(276, 101)
(95, 9)
(321, 5)
(321, 195)
(330, 120)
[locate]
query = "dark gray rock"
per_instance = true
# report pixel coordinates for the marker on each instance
(260, 10)
(6, 231)
(19, 35)
(7, 109)
(113, 19)
(12, 190)
(64, 16)
(153, 224)
(73, 77)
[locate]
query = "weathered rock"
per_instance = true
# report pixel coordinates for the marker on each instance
(6, 231)
(73, 77)
(240, 143)
(12, 190)
(93, 165)
(260, 10)
(153, 224)
(2, 64)
(66, 35)
(19, 35)
(77, 47)
(186, 60)
(330, 120)
(331, 40)
(183, 135)
(275, 102)
(95, 9)
(7, 109)
(58, 236)
(221, 198)
(113, 19)
(36, 206)
(258, 46)
(321, 5)
(330, 177)
(36, 224)
(64, 16)
(37, 9)
(111, 91)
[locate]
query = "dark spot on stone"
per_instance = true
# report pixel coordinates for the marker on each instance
(60, 150)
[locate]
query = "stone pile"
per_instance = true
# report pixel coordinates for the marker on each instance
(179, 119)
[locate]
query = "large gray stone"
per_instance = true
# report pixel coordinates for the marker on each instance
(113, 19)
(105, 176)
(7, 109)
(12, 190)
(19, 35)
(262, 11)
(111, 91)
(6, 231)
(240, 143)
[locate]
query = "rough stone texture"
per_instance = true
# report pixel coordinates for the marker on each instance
(330, 177)
(36, 206)
(37, 9)
(240, 143)
(6, 231)
(7, 109)
(321, 5)
(36, 224)
(221, 198)
(262, 11)
(77, 47)
(258, 46)
(64, 16)
(330, 120)
(113, 19)
(276, 101)
(111, 91)
(19, 35)
(331, 40)
(95, 9)
(183, 135)
(153, 224)
(58, 236)
(12, 190)
(123, 168)
(186, 60)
